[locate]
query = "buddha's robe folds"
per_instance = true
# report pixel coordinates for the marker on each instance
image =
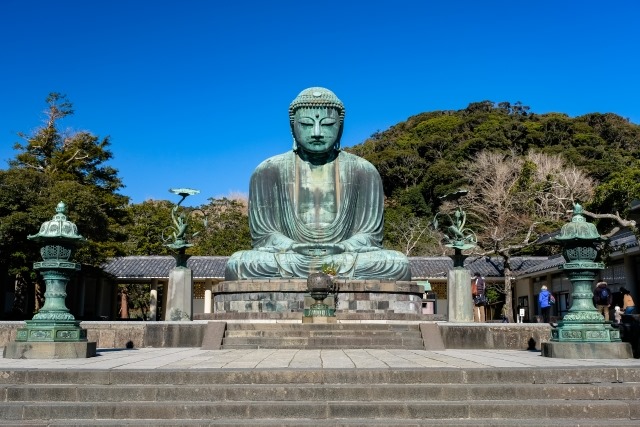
(344, 206)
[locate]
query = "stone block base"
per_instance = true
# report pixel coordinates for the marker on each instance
(492, 336)
(587, 350)
(381, 297)
(319, 319)
(52, 331)
(49, 350)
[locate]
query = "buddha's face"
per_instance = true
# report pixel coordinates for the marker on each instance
(316, 130)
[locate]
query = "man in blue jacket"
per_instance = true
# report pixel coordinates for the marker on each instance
(545, 304)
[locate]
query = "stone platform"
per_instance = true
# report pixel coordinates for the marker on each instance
(376, 297)
(49, 350)
(587, 350)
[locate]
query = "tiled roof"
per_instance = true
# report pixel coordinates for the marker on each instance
(158, 267)
(552, 262)
(623, 239)
(432, 267)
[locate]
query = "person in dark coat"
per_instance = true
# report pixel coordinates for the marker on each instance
(602, 298)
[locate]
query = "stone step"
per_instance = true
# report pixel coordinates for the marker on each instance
(583, 396)
(226, 422)
(289, 410)
(326, 342)
(366, 377)
(317, 392)
(322, 333)
(324, 326)
(324, 346)
(322, 336)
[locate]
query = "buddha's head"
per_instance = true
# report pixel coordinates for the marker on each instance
(316, 117)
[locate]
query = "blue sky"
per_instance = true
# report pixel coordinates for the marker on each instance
(194, 93)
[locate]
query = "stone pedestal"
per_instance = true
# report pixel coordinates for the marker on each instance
(49, 350)
(179, 295)
(460, 302)
(52, 331)
(50, 339)
(587, 350)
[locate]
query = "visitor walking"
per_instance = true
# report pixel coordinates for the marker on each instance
(602, 298)
(478, 288)
(544, 301)
(628, 306)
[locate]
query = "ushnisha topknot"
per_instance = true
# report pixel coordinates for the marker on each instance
(314, 97)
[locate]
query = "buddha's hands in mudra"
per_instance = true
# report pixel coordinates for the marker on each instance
(318, 249)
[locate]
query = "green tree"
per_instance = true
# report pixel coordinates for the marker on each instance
(53, 166)
(147, 229)
(135, 299)
(227, 229)
(616, 195)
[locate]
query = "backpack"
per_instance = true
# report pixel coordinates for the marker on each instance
(603, 296)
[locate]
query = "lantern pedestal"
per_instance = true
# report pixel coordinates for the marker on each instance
(583, 333)
(53, 333)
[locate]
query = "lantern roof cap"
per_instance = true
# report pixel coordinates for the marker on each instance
(578, 228)
(58, 228)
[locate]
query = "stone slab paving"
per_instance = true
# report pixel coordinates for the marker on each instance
(265, 359)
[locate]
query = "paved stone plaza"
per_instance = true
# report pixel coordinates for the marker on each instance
(194, 358)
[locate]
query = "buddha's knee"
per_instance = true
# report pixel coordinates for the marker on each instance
(231, 270)
(250, 264)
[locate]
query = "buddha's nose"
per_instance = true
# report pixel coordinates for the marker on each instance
(316, 130)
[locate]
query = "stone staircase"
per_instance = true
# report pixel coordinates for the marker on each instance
(322, 336)
(323, 397)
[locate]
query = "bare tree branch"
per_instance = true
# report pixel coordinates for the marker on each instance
(511, 196)
(616, 217)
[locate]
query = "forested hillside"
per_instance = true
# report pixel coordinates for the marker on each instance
(435, 153)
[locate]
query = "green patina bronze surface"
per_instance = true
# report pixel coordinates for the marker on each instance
(316, 205)
(179, 237)
(320, 285)
(583, 323)
(54, 323)
(456, 235)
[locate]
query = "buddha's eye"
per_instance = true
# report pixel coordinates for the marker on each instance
(306, 121)
(329, 121)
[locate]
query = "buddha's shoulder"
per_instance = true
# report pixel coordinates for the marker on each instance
(275, 162)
